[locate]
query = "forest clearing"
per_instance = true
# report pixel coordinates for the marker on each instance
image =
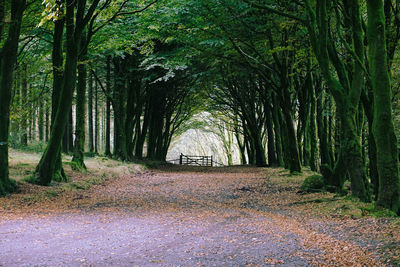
(123, 214)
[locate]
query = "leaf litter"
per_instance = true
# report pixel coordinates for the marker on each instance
(238, 215)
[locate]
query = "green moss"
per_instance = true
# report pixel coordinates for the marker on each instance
(295, 173)
(29, 198)
(378, 212)
(51, 193)
(7, 186)
(313, 183)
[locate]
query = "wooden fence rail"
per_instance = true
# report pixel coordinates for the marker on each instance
(196, 160)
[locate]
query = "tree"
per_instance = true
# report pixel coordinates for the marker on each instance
(383, 129)
(75, 23)
(346, 92)
(8, 57)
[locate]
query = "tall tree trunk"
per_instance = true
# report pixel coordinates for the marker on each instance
(345, 91)
(24, 101)
(90, 112)
(67, 142)
(96, 119)
(42, 103)
(8, 57)
(47, 121)
(142, 133)
(313, 132)
(383, 129)
(272, 160)
(293, 153)
(278, 132)
(46, 168)
(241, 145)
(326, 159)
(367, 100)
(33, 119)
(108, 109)
(58, 74)
(79, 146)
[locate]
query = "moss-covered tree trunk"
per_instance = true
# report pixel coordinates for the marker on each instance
(383, 129)
(292, 149)
(313, 131)
(46, 169)
(323, 133)
(8, 57)
(345, 91)
(67, 140)
(79, 146)
(277, 130)
(367, 100)
(58, 74)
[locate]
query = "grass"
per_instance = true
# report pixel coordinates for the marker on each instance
(328, 204)
(100, 169)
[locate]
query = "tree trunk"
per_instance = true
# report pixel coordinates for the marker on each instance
(24, 101)
(58, 74)
(79, 146)
(42, 104)
(96, 119)
(90, 112)
(108, 109)
(46, 169)
(383, 129)
(32, 132)
(67, 141)
(241, 145)
(293, 153)
(47, 121)
(272, 160)
(323, 133)
(313, 134)
(278, 132)
(8, 57)
(350, 152)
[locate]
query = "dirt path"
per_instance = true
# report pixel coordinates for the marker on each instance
(178, 217)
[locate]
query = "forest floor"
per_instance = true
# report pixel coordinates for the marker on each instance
(120, 214)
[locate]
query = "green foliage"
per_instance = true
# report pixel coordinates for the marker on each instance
(34, 146)
(313, 183)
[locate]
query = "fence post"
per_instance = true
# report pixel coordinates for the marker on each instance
(180, 159)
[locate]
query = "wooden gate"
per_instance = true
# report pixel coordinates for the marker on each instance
(196, 160)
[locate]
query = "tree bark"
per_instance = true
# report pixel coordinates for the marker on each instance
(108, 109)
(272, 160)
(24, 101)
(58, 74)
(90, 112)
(45, 170)
(8, 57)
(313, 133)
(79, 146)
(383, 129)
(96, 118)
